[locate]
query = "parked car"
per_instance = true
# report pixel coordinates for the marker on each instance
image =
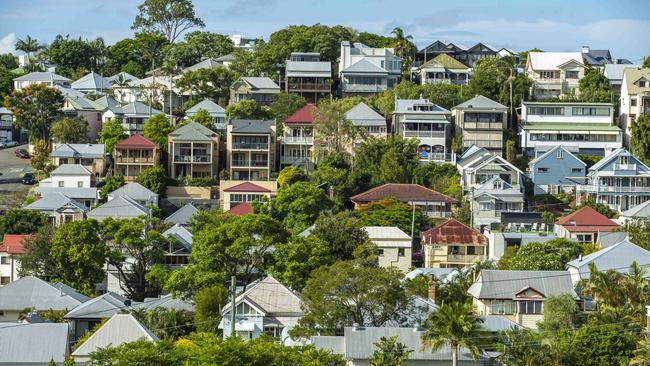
(2, 145)
(11, 143)
(28, 179)
(21, 153)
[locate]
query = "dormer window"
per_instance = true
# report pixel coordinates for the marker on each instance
(623, 159)
(642, 83)
(559, 154)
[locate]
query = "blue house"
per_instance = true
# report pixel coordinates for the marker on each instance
(557, 170)
(619, 180)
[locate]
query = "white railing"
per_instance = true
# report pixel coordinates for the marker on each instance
(439, 214)
(289, 160)
(614, 189)
(439, 134)
(631, 166)
(364, 88)
(298, 139)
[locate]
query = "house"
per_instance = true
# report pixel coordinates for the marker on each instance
(518, 295)
(32, 292)
(618, 257)
(207, 63)
(367, 121)
(10, 250)
(124, 87)
(215, 111)
(637, 212)
(33, 344)
(585, 128)
(504, 52)
(182, 216)
(394, 247)
(235, 193)
(297, 144)
(365, 70)
(606, 240)
(251, 149)
(469, 56)
(159, 88)
(133, 155)
(72, 180)
(426, 122)
(193, 152)
(177, 252)
(619, 180)
(247, 43)
(554, 74)
(84, 317)
(432, 203)
(614, 74)
(265, 307)
(584, 225)
(133, 116)
(226, 60)
(635, 98)
(307, 75)
(165, 302)
(453, 244)
(259, 89)
(136, 192)
(481, 121)
(444, 69)
(120, 207)
(596, 58)
(478, 165)
(59, 208)
(7, 132)
(90, 156)
(516, 229)
(41, 77)
(87, 109)
(357, 345)
(557, 170)
(118, 330)
(490, 199)
(92, 83)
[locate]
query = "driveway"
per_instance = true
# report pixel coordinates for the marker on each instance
(12, 168)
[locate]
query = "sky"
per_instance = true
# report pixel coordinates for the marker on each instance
(622, 26)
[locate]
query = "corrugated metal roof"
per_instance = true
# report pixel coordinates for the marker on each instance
(364, 66)
(402, 192)
(181, 235)
(304, 115)
(91, 81)
(641, 211)
(121, 207)
(246, 187)
(211, 107)
(70, 169)
(90, 151)
(136, 141)
(322, 69)
(481, 102)
(103, 306)
(586, 216)
(43, 76)
(33, 292)
(165, 302)
(618, 257)
(183, 215)
(385, 232)
(362, 115)
(270, 296)
(119, 329)
(242, 208)
(75, 193)
(498, 284)
(552, 60)
(53, 201)
(33, 344)
(252, 126)
(453, 232)
(261, 83)
(135, 191)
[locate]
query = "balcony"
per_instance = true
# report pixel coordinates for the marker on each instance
(464, 258)
(589, 188)
(129, 160)
(625, 167)
(250, 145)
(435, 214)
(438, 157)
(309, 87)
(299, 140)
(430, 134)
(495, 144)
(192, 159)
(362, 88)
(249, 164)
(483, 126)
(290, 160)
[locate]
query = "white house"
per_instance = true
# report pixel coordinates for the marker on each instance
(555, 74)
(41, 77)
(11, 249)
(394, 247)
(367, 70)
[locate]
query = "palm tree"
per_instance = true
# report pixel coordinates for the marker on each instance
(455, 324)
(605, 287)
(28, 45)
(120, 83)
(403, 47)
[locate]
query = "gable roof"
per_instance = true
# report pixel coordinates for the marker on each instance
(119, 329)
(364, 66)
(80, 103)
(362, 115)
(552, 60)
(260, 83)
(499, 284)
(551, 152)
(54, 201)
(498, 189)
(211, 107)
(317, 69)
(13, 243)
(257, 126)
(33, 344)
(43, 76)
(445, 61)
(122, 207)
(641, 211)
(402, 192)
(247, 187)
(103, 306)
(386, 232)
(91, 81)
(74, 193)
(614, 72)
(613, 155)
(618, 257)
(136, 141)
(181, 235)
(271, 297)
(165, 302)
(33, 292)
(587, 219)
(91, 151)
(226, 58)
(452, 232)
(183, 215)
(70, 169)
(242, 208)
(304, 115)
(208, 63)
(608, 239)
(107, 101)
(193, 131)
(480, 102)
(135, 191)
(632, 75)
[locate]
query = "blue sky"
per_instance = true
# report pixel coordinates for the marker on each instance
(623, 26)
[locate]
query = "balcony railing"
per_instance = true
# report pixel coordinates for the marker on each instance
(483, 125)
(250, 163)
(250, 145)
(133, 160)
(289, 160)
(298, 140)
(192, 159)
(410, 133)
(309, 87)
(464, 258)
(439, 214)
(631, 166)
(484, 143)
(589, 188)
(438, 157)
(446, 81)
(364, 88)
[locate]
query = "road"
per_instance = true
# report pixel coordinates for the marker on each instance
(12, 168)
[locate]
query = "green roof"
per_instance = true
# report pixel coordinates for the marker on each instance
(569, 126)
(445, 61)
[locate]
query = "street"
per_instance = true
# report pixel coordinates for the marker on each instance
(12, 168)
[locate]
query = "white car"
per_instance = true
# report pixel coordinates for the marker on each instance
(2, 145)
(10, 143)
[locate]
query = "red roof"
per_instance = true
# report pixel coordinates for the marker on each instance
(402, 192)
(13, 243)
(243, 208)
(304, 115)
(247, 187)
(587, 219)
(136, 142)
(453, 232)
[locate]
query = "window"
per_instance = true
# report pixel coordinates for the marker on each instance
(547, 75)
(60, 184)
(546, 111)
(584, 238)
(400, 252)
(642, 83)
(4, 260)
(590, 111)
(559, 154)
(485, 206)
(502, 307)
(80, 184)
(576, 170)
(380, 252)
(572, 74)
(530, 307)
(273, 331)
(633, 102)
(4, 281)
(542, 170)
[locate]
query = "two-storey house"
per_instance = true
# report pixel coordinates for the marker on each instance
(251, 149)
(91, 111)
(394, 246)
(478, 165)
(619, 180)
(426, 122)
(91, 156)
(453, 244)
(365, 70)
(367, 121)
(216, 112)
(490, 199)
(41, 77)
(432, 203)
(193, 151)
(59, 208)
(239, 196)
(133, 155)
(481, 121)
(259, 89)
(307, 75)
(72, 180)
(7, 126)
(557, 170)
(91, 83)
(635, 98)
(554, 74)
(467, 55)
(444, 69)
(297, 146)
(585, 128)
(133, 116)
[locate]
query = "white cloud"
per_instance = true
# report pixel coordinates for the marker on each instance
(7, 43)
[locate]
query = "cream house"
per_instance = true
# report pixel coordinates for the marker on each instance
(555, 74)
(394, 247)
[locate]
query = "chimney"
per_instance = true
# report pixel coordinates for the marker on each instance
(432, 290)
(585, 49)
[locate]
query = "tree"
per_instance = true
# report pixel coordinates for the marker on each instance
(154, 179)
(443, 178)
(342, 232)
(246, 109)
(299, 205)
(639, 232)
(387, 160)
(594, 87)
(346, 293)
(35, 108)
(404, 48)
(561, 312)
(111, 133)
(36, 260)
(71, 130)
(208, 303)
(40, 159)
(140, 352)
(72, 55)
(596, 344)
(8, 61)
(167, 17)
(285, 104)
(6, 82)
(166, 323)
(390, 352)
(79, 255)
(491, 76)
(444, 95)
(213, 83)
(552, 255)
(646, 62)
(455, 325)
(109, 184)
(640, 137)
(523, 347)
(331, 128)
(157, 128)
(296, 259)
(642, 352)
(392, 213)
(21, 221)
(511, 151)
(290, 175)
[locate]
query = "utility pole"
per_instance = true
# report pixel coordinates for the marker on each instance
(647, 314)
(413, 221)
(233, 296)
